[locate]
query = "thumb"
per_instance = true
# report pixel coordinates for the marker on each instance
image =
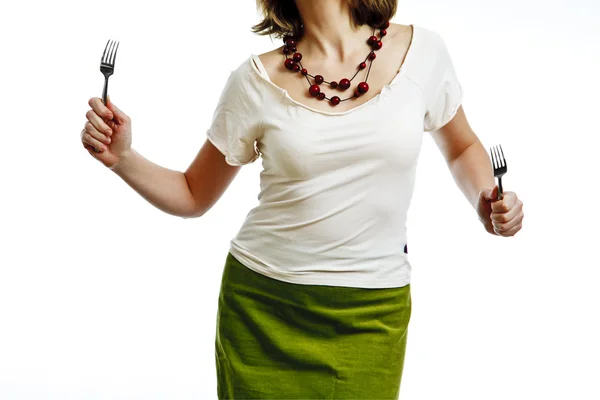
(490, 193)
(118, 114)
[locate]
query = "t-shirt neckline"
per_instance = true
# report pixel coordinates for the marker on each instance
(263, 74)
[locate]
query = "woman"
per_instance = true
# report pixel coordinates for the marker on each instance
(315, 297)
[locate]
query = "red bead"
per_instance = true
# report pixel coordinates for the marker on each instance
(297, 57)
(383, 32)
(356, 93)
(372, 40)
(377, 45)
(386, 25)
(333, 84)
(296, 68)
(287, 37)
(304, 71)
(363, 87)
(318, 79)
(289, 63)
(362, 65)
(286, 50)
(314, 90)
(321, 96)
(291, 42)
(344, 84)
(335, 100)
(292, 49)
(372, 56)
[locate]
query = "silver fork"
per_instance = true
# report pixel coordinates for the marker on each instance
(107, 64)
(499, 164)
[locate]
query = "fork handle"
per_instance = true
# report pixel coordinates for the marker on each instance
(500, 192)
(105, 91)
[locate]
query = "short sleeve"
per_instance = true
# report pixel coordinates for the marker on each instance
(443, 92)
(236, 123)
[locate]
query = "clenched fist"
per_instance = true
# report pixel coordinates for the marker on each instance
(107, 132)
(500, 217)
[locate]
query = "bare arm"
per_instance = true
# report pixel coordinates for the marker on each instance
(187, 195)
(465, 156)
(208, 176)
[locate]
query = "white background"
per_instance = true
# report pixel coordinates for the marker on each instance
(102, 296)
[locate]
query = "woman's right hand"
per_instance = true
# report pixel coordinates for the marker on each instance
(108, 130)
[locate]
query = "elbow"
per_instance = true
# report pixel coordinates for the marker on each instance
(194, 209)
(194, 212)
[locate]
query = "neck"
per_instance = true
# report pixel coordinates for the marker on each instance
(328, 29)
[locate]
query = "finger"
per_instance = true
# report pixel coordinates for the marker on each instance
(91, 129)
(87, 138)
(90, 149)
(98, 122)
(510, 232)
(505, 216)
(100, 109)
(507, 202)
(507, 226)
(120, 116)
(86, 145)
(489, 193)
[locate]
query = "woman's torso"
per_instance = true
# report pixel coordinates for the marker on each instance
(336, 185)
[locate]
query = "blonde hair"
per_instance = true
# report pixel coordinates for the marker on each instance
(281, 17)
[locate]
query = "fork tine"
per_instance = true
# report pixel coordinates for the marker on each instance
(104, 54)
(106, 51)
(503, 159)
(109, 56)
(492, 157)
(498, 160)
(109, 52)
(114, 56)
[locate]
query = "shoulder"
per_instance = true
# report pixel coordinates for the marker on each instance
(400, 33)
(272, 56)
(243, 80)
(272, 60)
(428, 55)
(242, 71)
(426, 42)
(421, 45)
(433, 48)
(428, 37)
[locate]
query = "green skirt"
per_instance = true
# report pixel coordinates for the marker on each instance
(278, 340)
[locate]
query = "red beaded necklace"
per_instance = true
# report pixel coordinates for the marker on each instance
(293, 64)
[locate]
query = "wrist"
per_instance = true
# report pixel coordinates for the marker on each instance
(125, 160)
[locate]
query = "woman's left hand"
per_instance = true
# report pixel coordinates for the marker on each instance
(500, 217)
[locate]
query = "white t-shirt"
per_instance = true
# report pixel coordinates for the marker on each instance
(335, 187)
